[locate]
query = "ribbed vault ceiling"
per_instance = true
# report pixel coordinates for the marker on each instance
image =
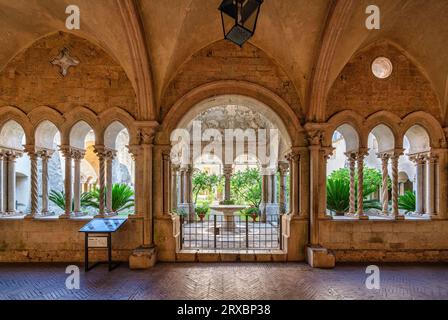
(290, 31)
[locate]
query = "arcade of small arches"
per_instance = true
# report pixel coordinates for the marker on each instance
(41, 154)
(406, 156)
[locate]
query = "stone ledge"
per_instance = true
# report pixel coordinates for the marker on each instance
(249, 256)
(393, 256)
(320, 258)
(143, 258)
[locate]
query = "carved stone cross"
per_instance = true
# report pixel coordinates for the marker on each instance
(65, 61)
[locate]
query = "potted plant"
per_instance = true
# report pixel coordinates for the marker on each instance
(253, 212)
(202, 211)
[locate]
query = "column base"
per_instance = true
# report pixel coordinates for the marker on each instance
(321, 258)
(143, 258)
(400, 217)
(65, 216)
(363, 217)
(30, 216)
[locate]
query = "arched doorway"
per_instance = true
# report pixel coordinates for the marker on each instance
(248, 144)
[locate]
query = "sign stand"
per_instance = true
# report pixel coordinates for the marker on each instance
(98, 235)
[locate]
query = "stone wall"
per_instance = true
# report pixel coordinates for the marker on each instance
(405, 91)
(98, 82)
(54, 240)
(385, 241)
(225, 61)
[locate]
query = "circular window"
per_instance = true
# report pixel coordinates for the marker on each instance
(382, 67)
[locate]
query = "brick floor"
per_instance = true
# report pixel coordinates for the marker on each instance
(225, 281)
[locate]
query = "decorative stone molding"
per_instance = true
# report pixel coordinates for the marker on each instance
(65, 61)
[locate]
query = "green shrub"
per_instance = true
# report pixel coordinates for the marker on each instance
(338, 190)
(407, 202)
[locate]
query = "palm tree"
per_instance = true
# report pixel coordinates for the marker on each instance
(58, 198)
(407, 202)
(122, 197)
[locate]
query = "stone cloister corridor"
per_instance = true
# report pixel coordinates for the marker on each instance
(224, 140)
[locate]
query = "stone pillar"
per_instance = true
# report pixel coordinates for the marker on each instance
(274, 199)
(102, 156)
(431, 162)
(34, 183)
(182, 186)
(11, 184)
(228, 171)
(189, 193)
(385, 182)
(395, 209)
(110, 156)
(167, 180)
(77, 156)
(143, 155)
(419, 182)
(283, 168)
(174, 187)
(294, 158)
(67, 153)
(360, 160)
(45, 156)
(2, 179)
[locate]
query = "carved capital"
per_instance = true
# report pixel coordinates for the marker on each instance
(283, 168)
(146, 132)
(293, 156)
(315, 133)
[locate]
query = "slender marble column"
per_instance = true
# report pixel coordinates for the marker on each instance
(419, 183)
(11, 204)
(67, 153)
(2, 179)
(294, 158)
(395, 209)
(110, 156)
(431, 161)
(167, 180)
(174, 187)
(77, 156)
(182, 186)
(360, 159)
(385, 182)
(102, 155)
(228, 171)
(283, 168)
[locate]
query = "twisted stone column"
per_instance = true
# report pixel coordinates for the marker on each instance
(395, 209)
(385, 182)
(352, 171)
(102, 155)
(34, 184)
(45, 156)
(360, 159)
(283, 168)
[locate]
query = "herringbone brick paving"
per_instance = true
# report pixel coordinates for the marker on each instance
(224, 281)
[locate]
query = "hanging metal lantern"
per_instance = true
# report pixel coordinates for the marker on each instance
(239, 19)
